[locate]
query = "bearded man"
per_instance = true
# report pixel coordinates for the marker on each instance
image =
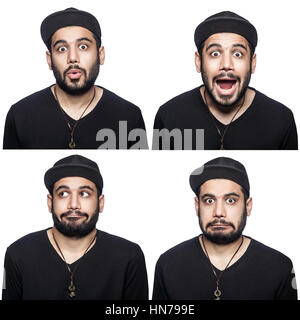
(74, 112)
(224, 112)
(73, 260)
(222, 262)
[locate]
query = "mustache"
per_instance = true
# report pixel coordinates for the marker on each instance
(77, 212)
(220, 221)
(227, 75)
(75, 66)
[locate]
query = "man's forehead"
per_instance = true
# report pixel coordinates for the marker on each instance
(74, 182)
(72, 33)
(226, 39)
(220, 187)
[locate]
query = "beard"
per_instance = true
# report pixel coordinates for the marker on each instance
(224, 100)
(76, 89)
(72, 229)
(219, 237)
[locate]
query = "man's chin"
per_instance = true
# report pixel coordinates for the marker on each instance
(226, 101)
(222, 237)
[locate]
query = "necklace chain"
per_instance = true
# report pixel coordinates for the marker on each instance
(227, 126)
(217, 292)
(71, 288)
(72, 144)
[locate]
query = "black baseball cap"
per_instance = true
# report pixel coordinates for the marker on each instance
(74, 166)
(66, 18)
(225, 21)
(220, 168)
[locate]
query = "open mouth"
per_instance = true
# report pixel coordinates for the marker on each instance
(74, 74)
(226, 86)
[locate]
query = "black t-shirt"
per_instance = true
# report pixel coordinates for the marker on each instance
(266, 124)
(262, 273)
(114, 268)
(37, 122)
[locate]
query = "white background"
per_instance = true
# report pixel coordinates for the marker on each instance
(148, 199)
(150, 59)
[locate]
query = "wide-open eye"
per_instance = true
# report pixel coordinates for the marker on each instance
(230, 201)
(83, 46)
(215, 54)
(209, 201)
(237, 54)
(62, 49)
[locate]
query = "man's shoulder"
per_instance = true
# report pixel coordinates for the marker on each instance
(182, 101)
(27, 242)
(270, 105)
(180, 251)
(34, 100)
(266, 253)
(117, 243)
(118, 103)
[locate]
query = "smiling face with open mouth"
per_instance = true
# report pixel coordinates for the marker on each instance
(226, 67)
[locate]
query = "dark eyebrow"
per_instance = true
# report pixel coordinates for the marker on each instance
(81, 187)
(219, 46)
(240, 45)
(232, 194)
(213, 45)
(77, 40)
(59, 41)
(62, 187)
(86, 187)
(84, 39)
(210, 195)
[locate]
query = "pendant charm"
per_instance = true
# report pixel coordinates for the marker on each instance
(71, 290)
(222, 147)
(72, 144)
(217, 294)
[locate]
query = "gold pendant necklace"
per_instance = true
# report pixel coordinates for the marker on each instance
(71, 287)
(72, 144)
(218, 292)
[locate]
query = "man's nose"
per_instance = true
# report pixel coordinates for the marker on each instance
(73, 55)
(74, 202)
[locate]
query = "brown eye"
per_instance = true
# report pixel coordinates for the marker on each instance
(83, 46)
(238, 54)
(63, 194)
(209, 201)
(215, 54)
(62, 49)
(230, 201)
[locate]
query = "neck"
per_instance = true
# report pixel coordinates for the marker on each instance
(72, 247)
(74, 102)
(225, 113)
(219, 250)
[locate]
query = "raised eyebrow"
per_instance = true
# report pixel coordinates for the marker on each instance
(87, 187)
(59, 42)
(232, 194)
(210, 195)
(84, 39)
(62, 187)
(213, 45)
(240, 45)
